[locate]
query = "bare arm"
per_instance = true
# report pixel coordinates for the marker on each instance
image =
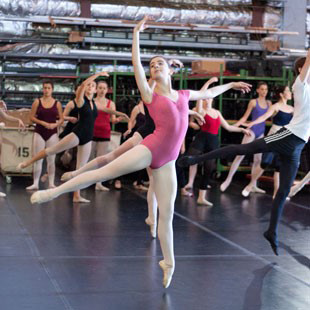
(66, 114)
(60, 114)
(205, 87)
(144, 88)
(271, 111)
(231, 128)
(247, 113)
(304, 73)
(218, 90)
(12, 118)
(81, 89)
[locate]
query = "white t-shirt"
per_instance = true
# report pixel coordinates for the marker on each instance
(300, 123)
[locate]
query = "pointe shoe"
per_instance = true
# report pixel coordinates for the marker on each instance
(66, 176)
(2, 195)
(41, 196)
(168, 272)
(246, 192)
(272, 241)
(256, 189)
(224, 186)
(100, 187)
(204, 202)
(152, 227)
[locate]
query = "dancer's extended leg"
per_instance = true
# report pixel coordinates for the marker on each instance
(236, 163)
(105, 159)
(135, 159)
(165, 185)
(257, 146)
(68, 142)
(296, 188)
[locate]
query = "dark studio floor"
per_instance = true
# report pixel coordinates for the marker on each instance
(101, 256)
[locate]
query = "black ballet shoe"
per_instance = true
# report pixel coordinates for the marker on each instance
(272, 241)
(186, 161)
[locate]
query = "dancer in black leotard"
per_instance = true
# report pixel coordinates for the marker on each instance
(82, 132)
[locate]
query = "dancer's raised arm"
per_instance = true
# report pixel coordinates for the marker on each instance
(304, 73)
(218, 90)
(144, 88)
(206, 85)
(81, 89)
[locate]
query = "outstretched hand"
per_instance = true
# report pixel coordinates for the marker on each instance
(141, 26)
(214, 79)
(248, 125)
(242, 86)
(246, 131)
(176, 63)
(103, 73)
(199, 118)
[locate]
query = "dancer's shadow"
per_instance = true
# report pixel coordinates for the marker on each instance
(303, 260)
(253, 294)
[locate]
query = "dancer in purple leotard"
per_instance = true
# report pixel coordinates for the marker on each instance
(256, 108)
(165, 102)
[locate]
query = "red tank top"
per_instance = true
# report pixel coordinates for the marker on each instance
(211, 125)
(102, 128)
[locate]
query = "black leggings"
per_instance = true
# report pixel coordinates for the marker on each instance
(289, 148)
(204, 142)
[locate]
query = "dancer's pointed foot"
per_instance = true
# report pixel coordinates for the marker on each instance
(168, 272)
(21, 166)
(153, 227)
(246, 192)
(204, 202)
(295, 189)
(80, 199)
(41, 196)
(186, 161)
(66, 176)
(224, 186)
(272, 239)
(2, 195)
(52, 185)
(100, 187)
(32, 187)
(256, 189)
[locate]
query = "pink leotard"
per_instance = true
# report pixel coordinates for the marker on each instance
(171, 122)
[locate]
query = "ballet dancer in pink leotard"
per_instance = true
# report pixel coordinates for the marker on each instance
(158, 150)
